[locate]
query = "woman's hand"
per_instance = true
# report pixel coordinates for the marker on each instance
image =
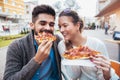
(102, 63)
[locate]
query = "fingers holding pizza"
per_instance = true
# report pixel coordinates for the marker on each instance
(102, 63)
(43, 51)
(100, 60)
(44, 40)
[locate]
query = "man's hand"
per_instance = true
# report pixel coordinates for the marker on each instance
(104, 64)
(43, 51)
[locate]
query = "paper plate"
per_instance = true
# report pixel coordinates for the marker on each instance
(79, 62)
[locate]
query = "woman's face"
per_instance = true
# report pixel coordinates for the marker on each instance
(68, 28)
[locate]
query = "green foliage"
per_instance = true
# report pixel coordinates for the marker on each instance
(92, 26)
(4, 43)
(24, 31)
(11, 37)
(89, 25)
(6, 40)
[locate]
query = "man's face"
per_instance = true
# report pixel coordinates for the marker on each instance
(44, 23)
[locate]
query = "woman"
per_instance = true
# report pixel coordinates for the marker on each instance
(71, 27)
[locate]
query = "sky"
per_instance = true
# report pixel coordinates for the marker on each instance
(87, 7)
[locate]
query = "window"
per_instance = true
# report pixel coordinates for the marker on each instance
(26, 6)
(14, 12)
(6, 10)
(27, 12)
(13, 3)
(0, 9)
(20, 6)
(5, 1)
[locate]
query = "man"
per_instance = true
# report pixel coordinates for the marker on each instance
(28, 59)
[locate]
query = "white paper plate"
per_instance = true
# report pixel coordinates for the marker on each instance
(80, 62)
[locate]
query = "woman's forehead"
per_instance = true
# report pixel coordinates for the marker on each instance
(65, 18)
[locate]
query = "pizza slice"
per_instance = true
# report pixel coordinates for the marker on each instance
(80, 52)
(45, 36)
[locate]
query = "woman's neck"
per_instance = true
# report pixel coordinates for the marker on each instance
(78, 40)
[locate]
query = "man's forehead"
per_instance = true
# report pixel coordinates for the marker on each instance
(46, 17)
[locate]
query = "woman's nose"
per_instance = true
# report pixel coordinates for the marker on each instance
(62, 29)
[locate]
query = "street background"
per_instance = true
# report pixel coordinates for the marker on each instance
(15, 16)
(111, 47)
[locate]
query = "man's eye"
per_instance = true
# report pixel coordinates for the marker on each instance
(51, 24)
(42, 23)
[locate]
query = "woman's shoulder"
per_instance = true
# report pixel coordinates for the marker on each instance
(94, 40)
(95, 43)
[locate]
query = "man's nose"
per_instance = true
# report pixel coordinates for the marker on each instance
(47, 27)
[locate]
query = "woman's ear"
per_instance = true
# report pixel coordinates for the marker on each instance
(82, 30)
(31, 25)
(78, 25)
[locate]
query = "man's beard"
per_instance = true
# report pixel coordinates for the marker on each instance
(43, 30)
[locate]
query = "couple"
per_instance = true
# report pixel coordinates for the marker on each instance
(28, 60)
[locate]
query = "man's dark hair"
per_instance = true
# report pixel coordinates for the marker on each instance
(42, 9)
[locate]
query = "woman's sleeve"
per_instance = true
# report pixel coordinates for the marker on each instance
(102, 48)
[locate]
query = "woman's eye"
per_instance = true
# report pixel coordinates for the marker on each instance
(65, 25)
(59, 26)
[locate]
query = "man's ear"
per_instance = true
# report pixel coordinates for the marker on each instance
(31, 25)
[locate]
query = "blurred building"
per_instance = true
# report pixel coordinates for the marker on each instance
(11, 13)
(108, 11)
(28, 10)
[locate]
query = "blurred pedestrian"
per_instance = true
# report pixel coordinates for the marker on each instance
(106, 26)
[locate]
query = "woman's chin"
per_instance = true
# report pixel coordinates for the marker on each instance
(66, 39)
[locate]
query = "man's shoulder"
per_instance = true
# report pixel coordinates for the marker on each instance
(58, 38)
(25, 38)
(19, 40)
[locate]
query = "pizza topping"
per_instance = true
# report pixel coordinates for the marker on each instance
(80, 52)
(44, 36)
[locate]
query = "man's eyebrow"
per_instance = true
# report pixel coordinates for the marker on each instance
(42, 21)
(46, 21)
(52, 22)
